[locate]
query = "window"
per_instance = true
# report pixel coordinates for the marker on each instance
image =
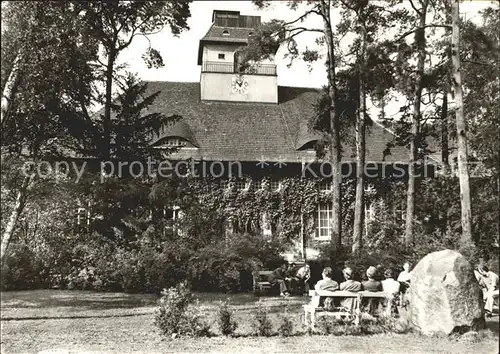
(325, 186)
(223, 184)
(323, 221)
(241, 185)
(369, 211)
(175, 142)
(173, 213)
(81, 216)
(275, 185)
(225, 33)
(222, 56)
(258, 185)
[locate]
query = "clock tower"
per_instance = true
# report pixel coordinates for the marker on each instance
(218, 54)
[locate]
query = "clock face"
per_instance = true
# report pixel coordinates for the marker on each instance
(239, 85)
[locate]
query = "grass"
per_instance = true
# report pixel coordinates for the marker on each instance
(76, 321)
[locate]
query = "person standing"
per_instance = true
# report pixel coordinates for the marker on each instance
(490, 292)
(404, 279)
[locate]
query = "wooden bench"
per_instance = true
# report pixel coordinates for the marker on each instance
(261, 284)
(313, 310)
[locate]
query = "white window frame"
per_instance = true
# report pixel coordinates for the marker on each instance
(274, 188)
(242, 185)
(325, 186)
(322, 209)
(258, 184)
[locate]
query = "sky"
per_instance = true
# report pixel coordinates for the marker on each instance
(180, 53)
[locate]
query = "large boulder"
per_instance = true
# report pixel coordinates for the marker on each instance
(444, 295)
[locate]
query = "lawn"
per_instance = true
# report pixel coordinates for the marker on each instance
(54, 321)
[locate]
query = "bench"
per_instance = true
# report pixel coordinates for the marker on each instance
(261, 284)
(313, 310)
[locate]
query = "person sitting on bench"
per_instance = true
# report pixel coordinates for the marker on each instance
(327, 284)
(304, 275)
(349, 285)
(279, 277)
(372, 285)
(391, 287)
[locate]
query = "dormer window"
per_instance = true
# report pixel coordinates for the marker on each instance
(225, 33)
(175, 142)
(250, 34)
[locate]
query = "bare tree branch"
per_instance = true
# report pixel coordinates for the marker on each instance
(406, 34)
(414, 8)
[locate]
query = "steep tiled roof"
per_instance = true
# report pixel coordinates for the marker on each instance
(233, 34)
(227, 131)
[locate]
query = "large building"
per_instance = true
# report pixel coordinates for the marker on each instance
(245, 117)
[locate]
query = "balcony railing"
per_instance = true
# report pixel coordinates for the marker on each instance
(256, 69)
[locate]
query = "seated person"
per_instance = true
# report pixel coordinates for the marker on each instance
(391, 287)
(349, 285)
(279, 277)
(327, 284)
(303, 276)
(371, 285)
(490, 292)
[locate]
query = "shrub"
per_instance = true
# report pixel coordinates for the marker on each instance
(173, 317)
(225, 320)
(261, 324)
(286, 327)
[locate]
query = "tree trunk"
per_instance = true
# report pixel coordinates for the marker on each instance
(463, 170)
(335, 148)
(445, 152)
(9, 89)
(415, 128)
(14, 216)
(359, 205)
(107, 104)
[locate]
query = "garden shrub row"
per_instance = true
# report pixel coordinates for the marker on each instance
(225, 267)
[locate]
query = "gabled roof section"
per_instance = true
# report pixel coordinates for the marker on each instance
(227, 131)
(228, 27)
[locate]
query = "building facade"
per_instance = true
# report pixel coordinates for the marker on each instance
(239, 114)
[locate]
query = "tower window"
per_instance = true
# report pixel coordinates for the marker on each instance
(222, 56)
(225, 33)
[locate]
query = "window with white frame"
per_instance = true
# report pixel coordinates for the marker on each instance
(258, 184)
(81, 217)
(242, 185)
(369, 211)
(175, 142)
(324, 221)
(325, 186)
(275, 185)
